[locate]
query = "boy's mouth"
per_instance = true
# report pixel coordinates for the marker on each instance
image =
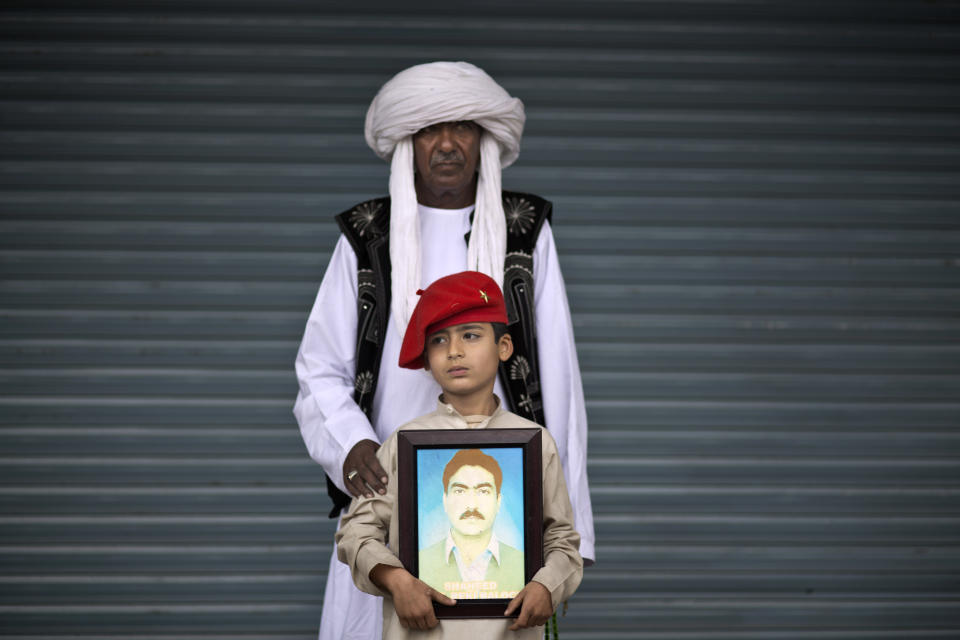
(457, 371)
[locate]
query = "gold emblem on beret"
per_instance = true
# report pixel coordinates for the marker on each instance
(483, 295)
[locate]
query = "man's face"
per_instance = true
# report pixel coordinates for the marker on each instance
(446, 156)
(471, 500)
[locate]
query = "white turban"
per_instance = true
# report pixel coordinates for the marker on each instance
(418, 97)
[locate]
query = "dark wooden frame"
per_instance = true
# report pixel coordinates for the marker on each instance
(529, 440)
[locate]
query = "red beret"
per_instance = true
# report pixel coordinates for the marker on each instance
(468, 296)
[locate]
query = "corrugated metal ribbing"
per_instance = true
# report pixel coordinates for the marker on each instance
(756, 206)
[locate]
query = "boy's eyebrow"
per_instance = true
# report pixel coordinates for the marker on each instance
(468, 326)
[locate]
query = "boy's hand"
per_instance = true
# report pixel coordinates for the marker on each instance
(412, 599)
(362, 459)
(537, 606)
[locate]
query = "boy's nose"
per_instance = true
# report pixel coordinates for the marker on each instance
(454, 350)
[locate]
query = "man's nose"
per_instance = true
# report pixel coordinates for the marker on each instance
(445, 141)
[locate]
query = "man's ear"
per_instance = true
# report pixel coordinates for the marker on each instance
(505, 347)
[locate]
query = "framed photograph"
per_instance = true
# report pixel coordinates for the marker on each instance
(471, 514)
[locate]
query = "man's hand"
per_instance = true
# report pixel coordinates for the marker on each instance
(369, 474)
(537, 606)
(412, 599)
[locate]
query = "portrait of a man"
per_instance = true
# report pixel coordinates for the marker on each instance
(469, 560)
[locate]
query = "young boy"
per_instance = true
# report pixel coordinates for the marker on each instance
(458, 333)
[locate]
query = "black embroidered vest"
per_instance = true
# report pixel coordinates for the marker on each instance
(367, 228)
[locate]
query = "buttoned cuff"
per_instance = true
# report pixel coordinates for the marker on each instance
(368, 557)
(553, 582)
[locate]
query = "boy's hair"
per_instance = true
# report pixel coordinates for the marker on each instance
(472, 458)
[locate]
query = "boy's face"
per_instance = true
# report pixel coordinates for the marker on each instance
(464, 358)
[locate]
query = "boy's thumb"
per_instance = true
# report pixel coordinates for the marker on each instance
(442, 599)
(514, 604)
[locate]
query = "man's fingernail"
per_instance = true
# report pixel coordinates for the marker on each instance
(383, 478)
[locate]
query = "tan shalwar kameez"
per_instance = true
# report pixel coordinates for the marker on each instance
(369, 533)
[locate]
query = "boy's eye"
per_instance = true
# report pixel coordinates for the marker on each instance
(437, 340)
(471, 336)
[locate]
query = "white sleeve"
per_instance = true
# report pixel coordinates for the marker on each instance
(330, 421)
(563, 404)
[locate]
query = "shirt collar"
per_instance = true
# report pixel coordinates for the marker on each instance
(446, 409)
(493, 547)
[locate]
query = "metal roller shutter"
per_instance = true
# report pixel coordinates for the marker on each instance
(756, 208)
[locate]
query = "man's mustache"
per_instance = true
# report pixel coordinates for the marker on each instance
(472, 513)
(444, 157)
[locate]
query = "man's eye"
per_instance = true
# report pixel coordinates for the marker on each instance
(458, 492)
(484, 492)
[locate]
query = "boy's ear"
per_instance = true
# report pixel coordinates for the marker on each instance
(505, 347)
(426, 361)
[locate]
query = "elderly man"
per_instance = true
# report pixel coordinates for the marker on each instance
(470, 552)
(447, 128)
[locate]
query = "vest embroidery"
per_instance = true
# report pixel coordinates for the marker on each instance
(520, 215)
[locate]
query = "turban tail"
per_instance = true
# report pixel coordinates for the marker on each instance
(416, 98)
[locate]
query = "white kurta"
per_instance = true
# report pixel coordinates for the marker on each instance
(331, 423)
